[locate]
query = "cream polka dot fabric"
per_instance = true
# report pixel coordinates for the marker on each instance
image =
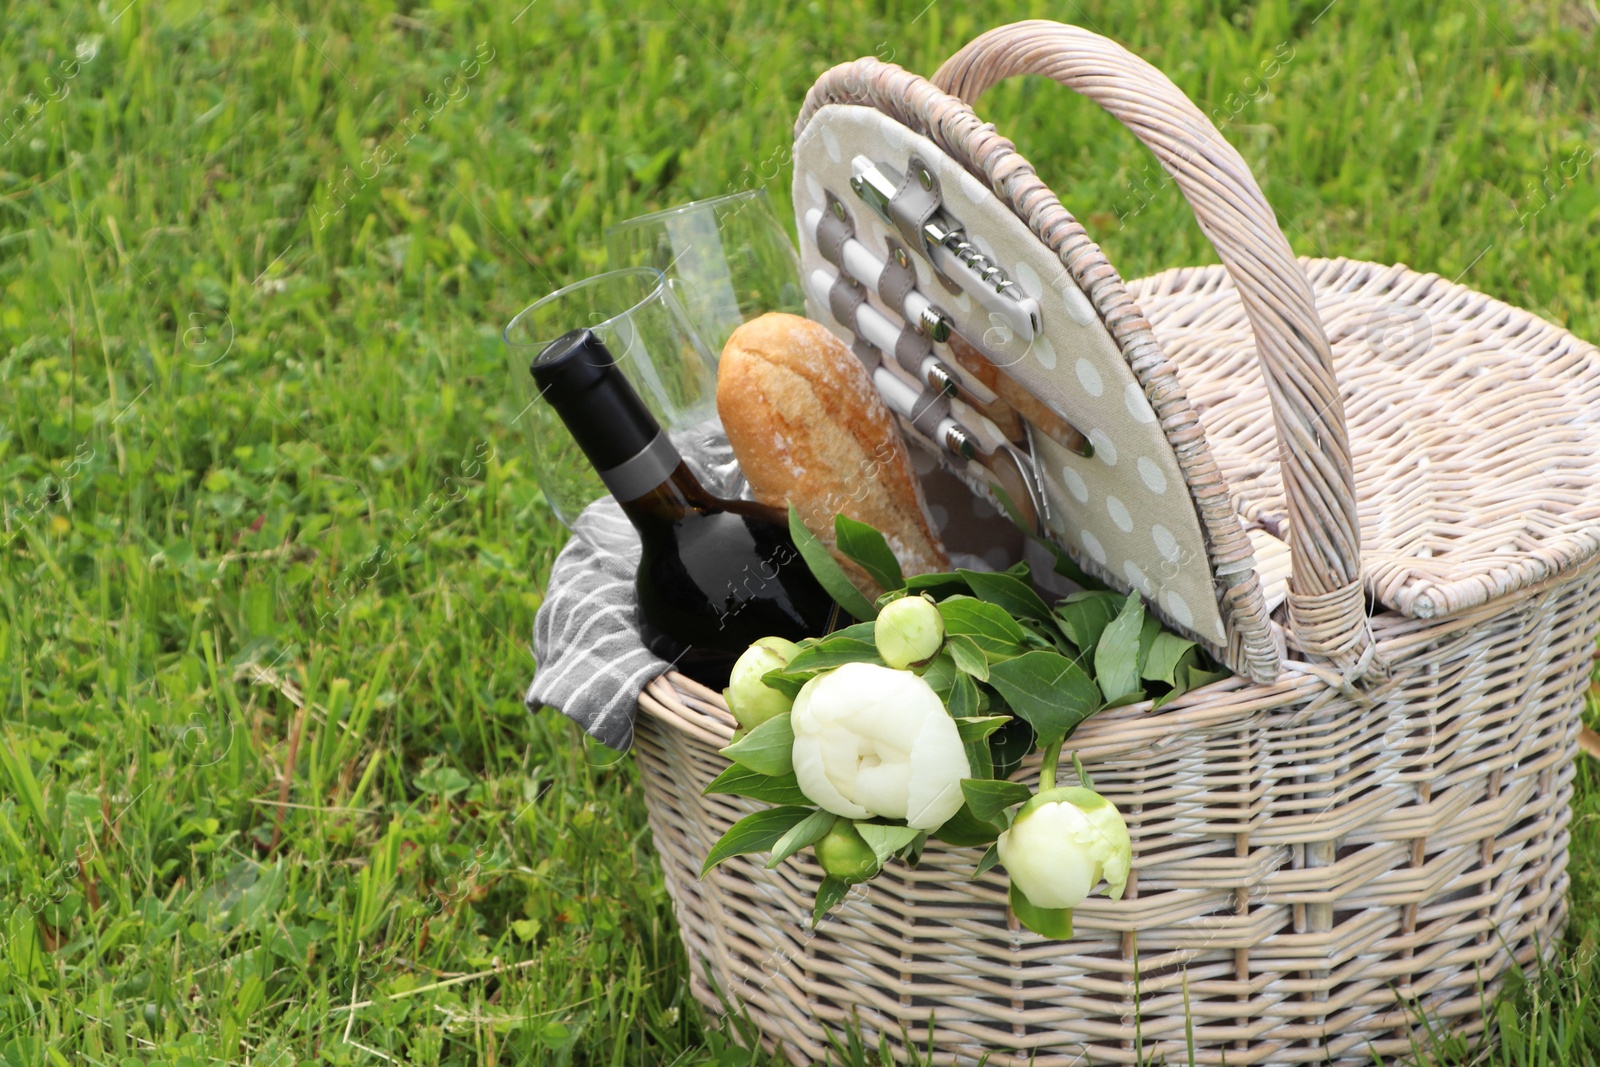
(1127, 507)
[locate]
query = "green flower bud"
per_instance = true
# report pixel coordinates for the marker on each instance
(750, 699)
(844, 855)
(1062, 843)
(909, 630)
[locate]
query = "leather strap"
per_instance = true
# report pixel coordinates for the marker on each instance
(867, 353)
(910, 350)
(895, 282)
(834, 230)
(930, 414)
(913, 203)
(844, 296)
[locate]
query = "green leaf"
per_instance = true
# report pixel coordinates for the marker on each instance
(756, 832)
(966, 830)
(913, 851)
(1116, 656)
(1166, 654)
(885, 841)
(962, 701)
(988, 798)
(827, 571)
(1049, 690)
(807, 831)
(787, 684)
(1083, 774)
(443, 781)
(980, 758)
(741, 781)
(1054, 923)
(1196, 678)
(830, 652)
(867, 547)
(1008, 747)
(988, 625)
(17, 766)
(990, 858)
(1084, 616)
(940, 673)
(1148, 632)
(939, 586)
(829, 893)
(1014, 595)
(1049, 638)
(1188, 662)
(769, 748)
(861, 631)
(977, 729)
(968, 657)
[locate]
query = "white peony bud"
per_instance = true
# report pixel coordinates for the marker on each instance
(908, 630)
(750, 699)
(1062, 843)
(870, 741)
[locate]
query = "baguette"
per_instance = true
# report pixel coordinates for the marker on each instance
(808, 428)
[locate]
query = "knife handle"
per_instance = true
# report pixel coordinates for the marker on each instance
(1019, 399)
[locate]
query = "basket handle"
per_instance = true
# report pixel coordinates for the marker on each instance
(1327, 604)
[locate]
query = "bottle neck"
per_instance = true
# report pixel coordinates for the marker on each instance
(633, 455)
(641, 472)
(675, 495)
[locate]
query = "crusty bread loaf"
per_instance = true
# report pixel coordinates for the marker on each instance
(809, 428)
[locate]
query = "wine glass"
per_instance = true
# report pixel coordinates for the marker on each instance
(726, 259)
(640, 321)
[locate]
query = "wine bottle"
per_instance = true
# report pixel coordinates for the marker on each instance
(713, 574)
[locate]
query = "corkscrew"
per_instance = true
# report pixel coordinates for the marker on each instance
(948, 249)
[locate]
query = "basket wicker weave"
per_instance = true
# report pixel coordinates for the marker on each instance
(1371, 832)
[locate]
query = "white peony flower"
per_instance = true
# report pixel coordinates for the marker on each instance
(1062, 843)
(870, 741)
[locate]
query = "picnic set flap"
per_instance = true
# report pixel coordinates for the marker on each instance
(1247, 538)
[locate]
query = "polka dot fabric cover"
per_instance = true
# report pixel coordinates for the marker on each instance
(1125, 513)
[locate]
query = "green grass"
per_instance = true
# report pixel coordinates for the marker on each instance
(263, 512)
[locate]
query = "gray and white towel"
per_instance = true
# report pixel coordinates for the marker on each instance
(592, 665)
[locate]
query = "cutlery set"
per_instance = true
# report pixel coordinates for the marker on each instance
(966, 403)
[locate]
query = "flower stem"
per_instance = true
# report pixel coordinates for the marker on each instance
(1047, 773)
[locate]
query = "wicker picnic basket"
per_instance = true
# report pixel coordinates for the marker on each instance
(1365, 827)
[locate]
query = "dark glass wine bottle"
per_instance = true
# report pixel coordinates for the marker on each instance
(714, 574)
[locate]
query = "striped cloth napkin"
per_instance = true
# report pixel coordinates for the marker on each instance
(592, 665)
